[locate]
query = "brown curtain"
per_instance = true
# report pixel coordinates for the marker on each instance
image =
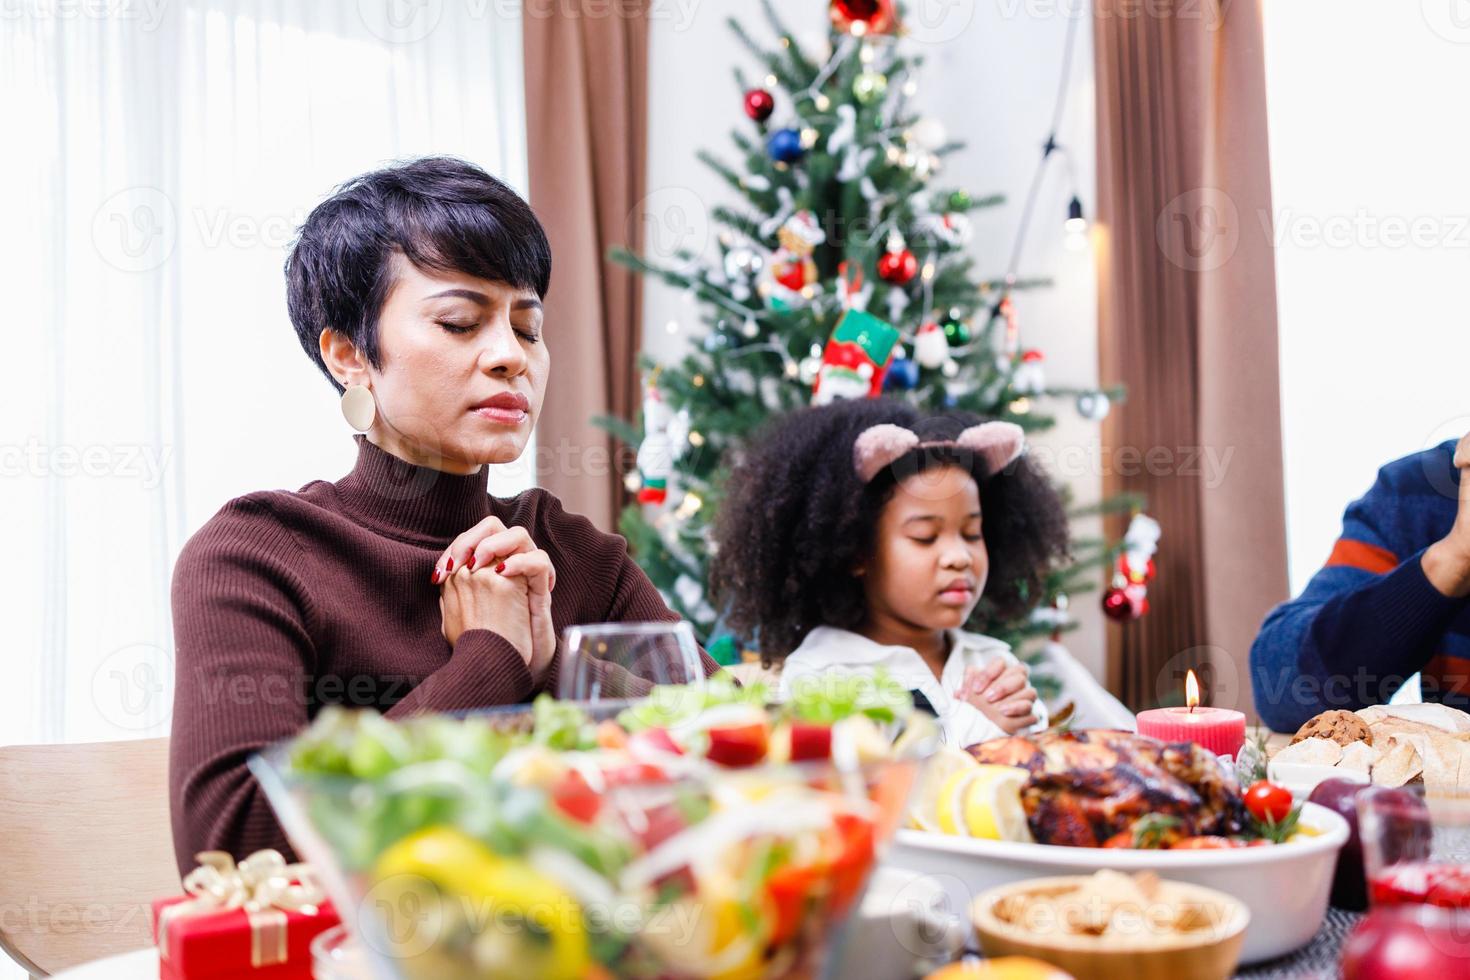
(1187, 310)
(586, 132)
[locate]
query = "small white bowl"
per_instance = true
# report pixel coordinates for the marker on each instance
(1285, 886)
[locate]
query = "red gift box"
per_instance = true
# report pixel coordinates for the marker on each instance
(253, 921)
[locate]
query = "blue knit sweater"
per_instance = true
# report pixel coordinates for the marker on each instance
(1370, 618)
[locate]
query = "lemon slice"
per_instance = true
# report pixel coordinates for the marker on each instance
(946, 761)
(993, 807)
(986, 803)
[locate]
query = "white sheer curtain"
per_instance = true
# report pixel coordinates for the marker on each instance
(158, 159)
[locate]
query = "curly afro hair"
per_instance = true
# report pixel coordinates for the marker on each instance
(797, 521)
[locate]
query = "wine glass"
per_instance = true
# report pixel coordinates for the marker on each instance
(604, 662)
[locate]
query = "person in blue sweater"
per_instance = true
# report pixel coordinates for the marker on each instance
(1391, 601)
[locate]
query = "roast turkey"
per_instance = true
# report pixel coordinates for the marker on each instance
(1087, 786)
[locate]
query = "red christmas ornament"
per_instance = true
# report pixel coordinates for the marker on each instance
(898, 267)
(875, 16)
(1123, 603)
(759, 104)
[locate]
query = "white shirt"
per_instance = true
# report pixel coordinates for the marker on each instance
(828, 649)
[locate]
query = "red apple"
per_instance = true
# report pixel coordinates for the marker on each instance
(1408, 942)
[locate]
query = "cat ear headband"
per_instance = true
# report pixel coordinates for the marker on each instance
(998, 443)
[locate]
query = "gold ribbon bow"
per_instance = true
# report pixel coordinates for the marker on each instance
(263, 884)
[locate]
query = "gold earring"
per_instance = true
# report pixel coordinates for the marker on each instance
(358, 407)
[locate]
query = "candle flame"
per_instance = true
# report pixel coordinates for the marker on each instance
(1191, 691)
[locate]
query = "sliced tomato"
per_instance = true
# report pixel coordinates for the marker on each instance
(810, 742)
(791, 889)
(737, 745)
(575, 798)
(848, 854)
(655, 739)
(660, 823)
(855, 852)
(632, 773)
(1268, 802)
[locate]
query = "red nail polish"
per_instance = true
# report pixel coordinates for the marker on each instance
(434, 579)
(500, 567)
(448, 565)
(470, 564)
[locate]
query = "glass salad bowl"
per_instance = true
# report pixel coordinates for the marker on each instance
(696, 833)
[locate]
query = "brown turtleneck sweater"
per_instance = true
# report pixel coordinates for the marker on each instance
(286, 602)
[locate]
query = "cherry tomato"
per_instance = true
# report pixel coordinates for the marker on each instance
(1268, 802)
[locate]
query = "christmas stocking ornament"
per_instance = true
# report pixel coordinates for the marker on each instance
(856, 358)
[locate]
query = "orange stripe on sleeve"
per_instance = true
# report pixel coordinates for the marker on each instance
(1445, 674)
(1357, 554)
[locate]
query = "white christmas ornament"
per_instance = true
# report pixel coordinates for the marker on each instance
(928, 133)
(1094, 405)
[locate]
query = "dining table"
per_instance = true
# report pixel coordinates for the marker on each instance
(1318, 960)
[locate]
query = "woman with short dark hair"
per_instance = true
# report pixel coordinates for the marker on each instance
(404, 586)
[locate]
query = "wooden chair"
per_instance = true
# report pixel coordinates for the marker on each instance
(85, 847)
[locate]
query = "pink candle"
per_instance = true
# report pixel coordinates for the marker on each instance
(1220, 730)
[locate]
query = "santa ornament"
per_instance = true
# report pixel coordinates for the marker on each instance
(931, 347)
(663, 443)
(1127, 598)
(856, 359)
(792, 268)
(1030, 376)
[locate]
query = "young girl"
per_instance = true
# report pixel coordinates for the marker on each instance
(863, 534)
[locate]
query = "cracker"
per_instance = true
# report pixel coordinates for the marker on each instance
(1310, 752)
(1359, 756)
(1399, 765)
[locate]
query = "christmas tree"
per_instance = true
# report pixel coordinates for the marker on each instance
(843, 273)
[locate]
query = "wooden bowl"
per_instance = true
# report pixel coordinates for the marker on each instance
(1210, 952)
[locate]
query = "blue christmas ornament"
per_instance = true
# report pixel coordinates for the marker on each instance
(903, 375)
(785, 146)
